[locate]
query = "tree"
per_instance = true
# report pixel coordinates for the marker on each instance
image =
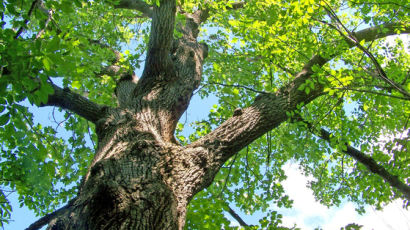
(284, 73)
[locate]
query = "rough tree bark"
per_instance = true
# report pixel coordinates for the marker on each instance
(141, 178)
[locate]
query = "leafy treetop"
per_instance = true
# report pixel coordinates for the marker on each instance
(255, 48)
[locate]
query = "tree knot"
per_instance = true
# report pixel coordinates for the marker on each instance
(237, 112)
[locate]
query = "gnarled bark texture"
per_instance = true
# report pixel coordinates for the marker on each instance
(141, 178)
(137, 180)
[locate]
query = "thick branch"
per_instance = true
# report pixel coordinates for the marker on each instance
(380, 31)
(269, 110)
(49, 217)
(74, 102)
(80, 105)
(372, 166)
(139, 5)
(158, 59)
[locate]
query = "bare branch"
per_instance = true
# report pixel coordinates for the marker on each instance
(76, 103)
(139, 5)
(237, 217)
(49, 18)
(228, 176)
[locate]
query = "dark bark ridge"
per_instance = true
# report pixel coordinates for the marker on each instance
(141, 178)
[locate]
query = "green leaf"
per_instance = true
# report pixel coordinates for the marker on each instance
(307, 90)
(76, 84)
(47, 63)
(4, 119)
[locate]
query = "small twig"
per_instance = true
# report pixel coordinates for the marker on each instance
(229, 173)
(372, 92)
(61, 122)
(339, 101)
(247, 166)
(287, 70)
(49, 18)
(352, 38)
(236, 86)
(269, 149)
(343, 172)
(40, 136)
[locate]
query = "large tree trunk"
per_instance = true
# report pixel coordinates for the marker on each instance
(137, 182)
(141, 178)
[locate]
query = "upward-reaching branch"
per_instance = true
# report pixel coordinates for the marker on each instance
(269, 110)
(158, 61)
(351, 38)
(30, 11)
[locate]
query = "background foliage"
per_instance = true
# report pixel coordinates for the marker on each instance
(253, 50)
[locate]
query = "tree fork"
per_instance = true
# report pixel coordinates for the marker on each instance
(140, 177)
